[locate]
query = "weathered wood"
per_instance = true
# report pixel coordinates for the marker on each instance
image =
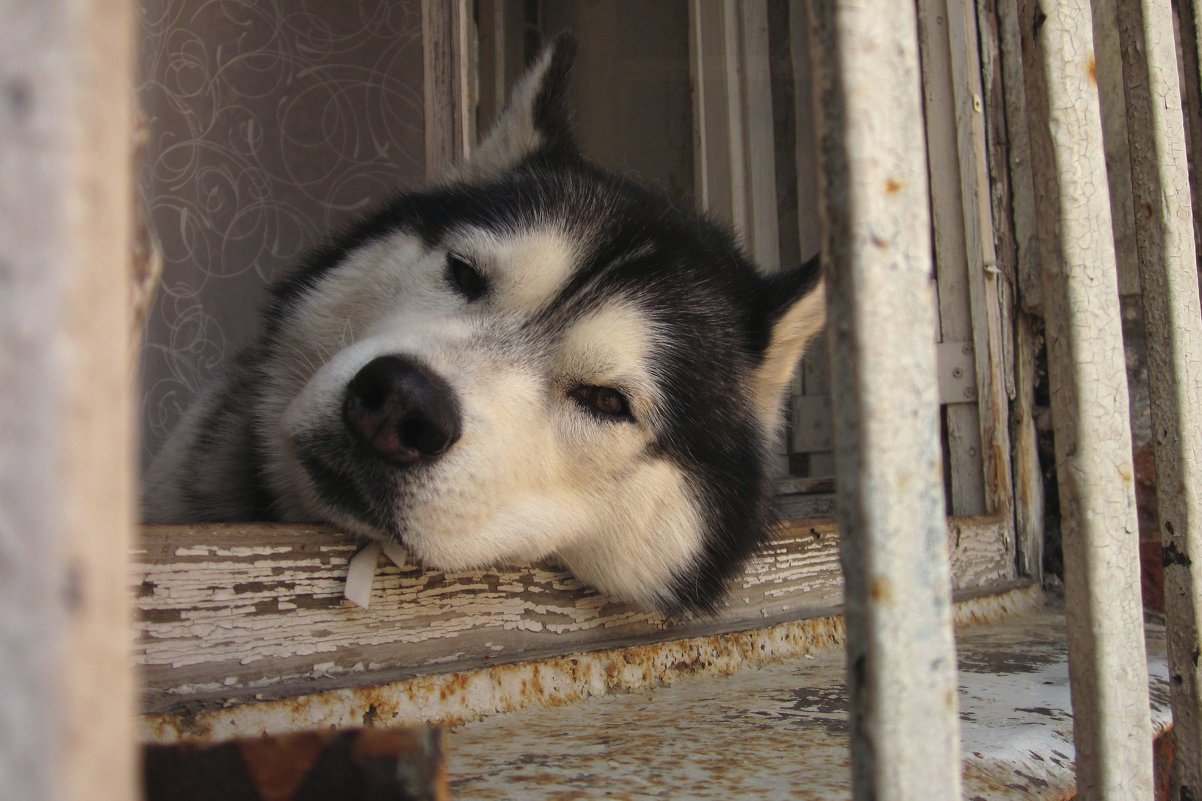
(446, 83)
(66, 464)
(719, 164)
(1013, 226)
(230, 611)
(1013, 108)
(1173, 325)
(453, 698)
(1089, 405)
(963, 431)
(877, 255)
(989, 334)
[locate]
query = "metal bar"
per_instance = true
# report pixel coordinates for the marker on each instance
(66, 464)
(1108, 671)
(877, 257)
(1173, 325)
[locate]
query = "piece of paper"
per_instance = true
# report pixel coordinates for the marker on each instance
(362, 575)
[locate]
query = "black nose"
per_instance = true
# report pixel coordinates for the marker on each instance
(402, 410)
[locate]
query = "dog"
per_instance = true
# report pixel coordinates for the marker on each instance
(532, 357)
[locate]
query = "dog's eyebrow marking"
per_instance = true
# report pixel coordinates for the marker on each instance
(611, 346)
(528, 269)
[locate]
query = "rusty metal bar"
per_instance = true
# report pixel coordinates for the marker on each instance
(1173, 325)
(877, 256)
(1107, 667)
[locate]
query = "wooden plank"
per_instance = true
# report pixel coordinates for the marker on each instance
(812, 381)
(1028, 473)
(228, 611)
(967, 478)
(446, 84)
(1089, 404)
(1173, 326)
(759, 150)
(806, 152)
(1018, 151)
(66, 462)
(877, 255)
(984, 275)
(717, 112)
(1012, 201)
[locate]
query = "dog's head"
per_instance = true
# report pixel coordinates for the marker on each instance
(538, 357)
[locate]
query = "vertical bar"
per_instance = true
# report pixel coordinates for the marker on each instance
(761, 224)
(446, 85)
(983, 273)
(1107, 667)
(877, 252)
(1014, 215)
(967, 496)
(66, 461)
(1173, 324)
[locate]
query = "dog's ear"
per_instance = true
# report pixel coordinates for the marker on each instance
(793, 306)
(537, 117)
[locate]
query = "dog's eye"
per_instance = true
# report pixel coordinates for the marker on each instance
(603, 401)
(465, 278)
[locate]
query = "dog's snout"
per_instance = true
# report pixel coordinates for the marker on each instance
(402, 410)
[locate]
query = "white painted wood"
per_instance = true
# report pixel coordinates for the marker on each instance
(240, 611)
(877, 251)
(66, 495)
(1108, 67)
(1093, 442)
(1173, 326)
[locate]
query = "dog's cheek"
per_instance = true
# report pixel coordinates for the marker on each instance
(647, 530)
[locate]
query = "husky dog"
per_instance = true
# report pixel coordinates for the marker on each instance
(533, 357)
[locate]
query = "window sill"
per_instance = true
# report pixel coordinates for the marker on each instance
(234, 616)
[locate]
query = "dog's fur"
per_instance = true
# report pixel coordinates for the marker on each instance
(577, 282)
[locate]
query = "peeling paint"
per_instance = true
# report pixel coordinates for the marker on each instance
(475, 694)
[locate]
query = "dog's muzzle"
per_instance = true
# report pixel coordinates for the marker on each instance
(401, 411)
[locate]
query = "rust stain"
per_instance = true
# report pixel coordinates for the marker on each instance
(457, 698)
(881, 591)
(893, 186)
(1092, 69)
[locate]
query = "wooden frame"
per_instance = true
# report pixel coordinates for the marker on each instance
(203, 598)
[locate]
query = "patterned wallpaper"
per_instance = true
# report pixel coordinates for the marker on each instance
(270, 122)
